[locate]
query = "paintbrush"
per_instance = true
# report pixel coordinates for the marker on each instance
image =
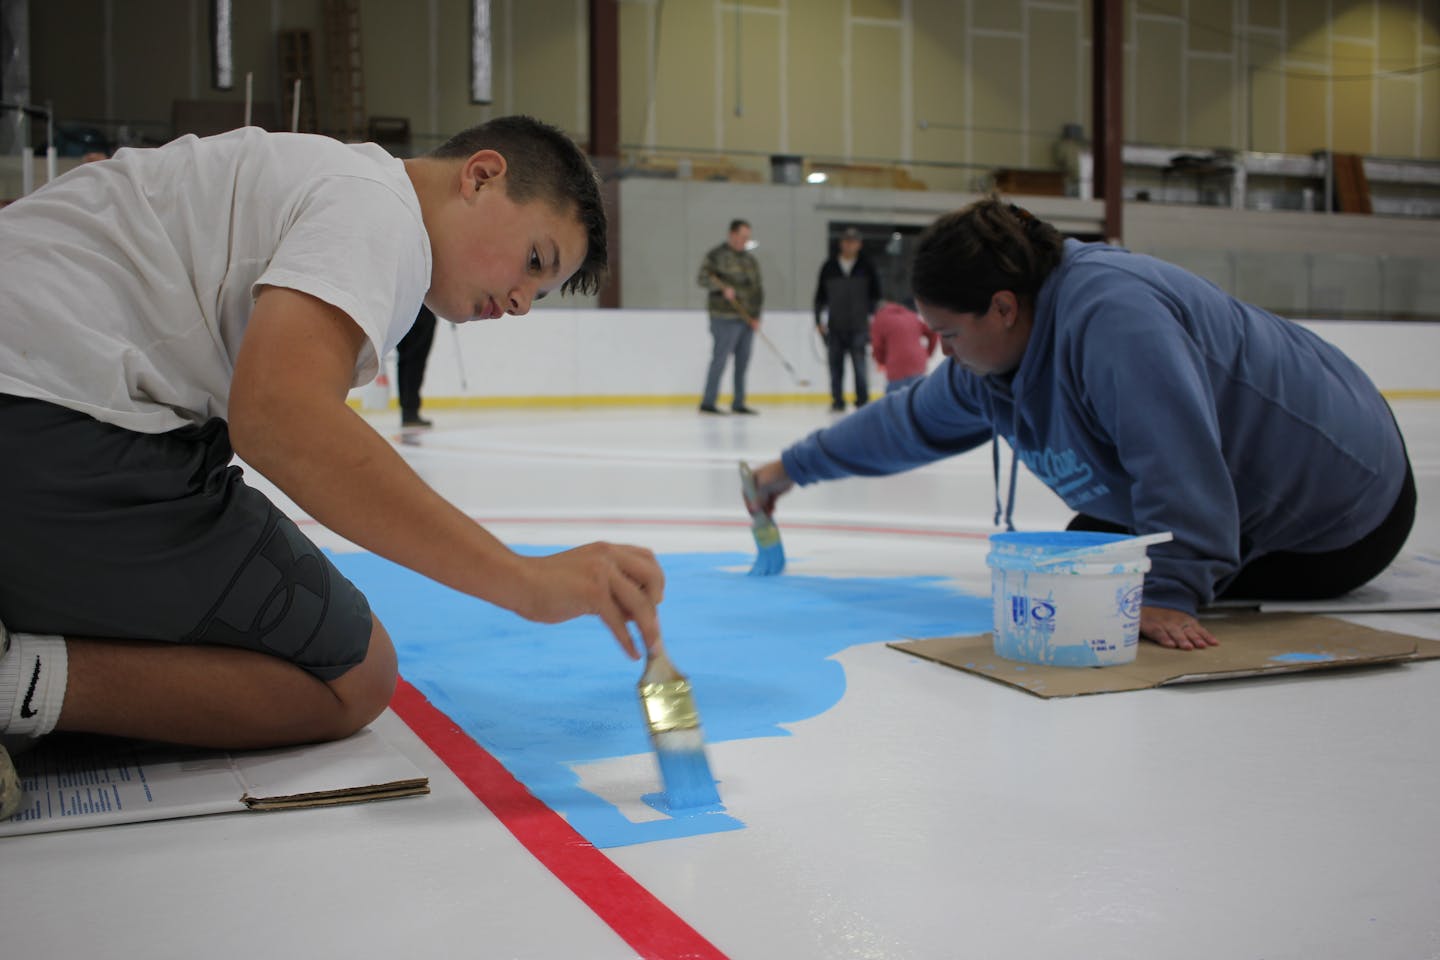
(669, 708)
(769, 551)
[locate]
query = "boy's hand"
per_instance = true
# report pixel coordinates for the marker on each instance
(618, 583)
(1175, 629)
(771, 481)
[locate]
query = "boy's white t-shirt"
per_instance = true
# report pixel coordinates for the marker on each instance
(126, 285)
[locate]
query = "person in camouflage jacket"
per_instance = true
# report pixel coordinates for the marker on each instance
(732, 275)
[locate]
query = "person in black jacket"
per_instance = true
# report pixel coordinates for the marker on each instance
(845, 299)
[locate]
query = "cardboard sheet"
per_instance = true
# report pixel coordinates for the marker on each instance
(74, 782)
(1251, 644)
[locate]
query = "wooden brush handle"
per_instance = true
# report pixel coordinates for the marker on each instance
(658, 668)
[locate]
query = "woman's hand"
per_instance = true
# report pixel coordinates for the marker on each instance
(771, 481)
(1174, 629)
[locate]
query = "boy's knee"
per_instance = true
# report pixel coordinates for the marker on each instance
(365, 690)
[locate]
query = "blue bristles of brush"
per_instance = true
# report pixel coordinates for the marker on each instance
(684, 770)
(674, 724)
(769, 551)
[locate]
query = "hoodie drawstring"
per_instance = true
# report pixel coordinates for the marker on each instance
(1010, 500)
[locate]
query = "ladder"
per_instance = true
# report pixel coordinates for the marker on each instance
(347, 78)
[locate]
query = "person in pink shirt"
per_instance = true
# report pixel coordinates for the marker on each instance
(902, 344)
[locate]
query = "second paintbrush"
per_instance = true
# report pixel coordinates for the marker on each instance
(769, 551)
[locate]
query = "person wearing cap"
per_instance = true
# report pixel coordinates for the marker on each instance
(845, 298)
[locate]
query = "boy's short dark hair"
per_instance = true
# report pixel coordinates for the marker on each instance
(737, 224)
(543, 163)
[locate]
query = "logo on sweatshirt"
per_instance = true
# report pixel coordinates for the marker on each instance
(1063, 471)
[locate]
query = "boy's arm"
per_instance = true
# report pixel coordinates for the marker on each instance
(289, 420)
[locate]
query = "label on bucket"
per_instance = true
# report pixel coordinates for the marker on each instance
(1129, 603)
(1036, 614)
(1069, 615)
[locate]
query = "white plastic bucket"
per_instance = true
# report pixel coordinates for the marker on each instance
(1070, 614)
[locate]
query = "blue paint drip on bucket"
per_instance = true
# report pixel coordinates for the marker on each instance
(1067, 614)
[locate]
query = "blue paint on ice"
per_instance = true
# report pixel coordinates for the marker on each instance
(541, 698)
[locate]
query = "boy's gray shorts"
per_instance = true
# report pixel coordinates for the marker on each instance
(109, 533)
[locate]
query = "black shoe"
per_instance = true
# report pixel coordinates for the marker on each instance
(711, 408)
(837, 408)
(415, 420)
(751, 411)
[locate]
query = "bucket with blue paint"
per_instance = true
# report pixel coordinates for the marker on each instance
(1068, 598)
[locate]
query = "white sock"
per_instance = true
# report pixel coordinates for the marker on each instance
(32, 684)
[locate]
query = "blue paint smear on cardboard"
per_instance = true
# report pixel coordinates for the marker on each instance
(543, 697)
(1299, 657)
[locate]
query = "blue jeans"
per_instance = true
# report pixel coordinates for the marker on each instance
(731, 335)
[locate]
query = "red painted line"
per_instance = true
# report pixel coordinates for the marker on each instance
(652, 929)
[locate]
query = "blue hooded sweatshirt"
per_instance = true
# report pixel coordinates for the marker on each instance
(1152, 399)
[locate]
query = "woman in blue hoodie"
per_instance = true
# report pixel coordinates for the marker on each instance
(1148, 399)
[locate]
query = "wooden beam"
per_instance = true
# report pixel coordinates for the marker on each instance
(1107, 48)
(605, 127)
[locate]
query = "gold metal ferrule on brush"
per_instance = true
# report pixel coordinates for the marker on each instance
(669, 706)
